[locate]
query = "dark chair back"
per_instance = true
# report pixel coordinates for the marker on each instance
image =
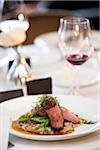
(10, 94)
(39, 86)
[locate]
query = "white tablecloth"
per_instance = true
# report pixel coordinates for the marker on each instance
(89, 142)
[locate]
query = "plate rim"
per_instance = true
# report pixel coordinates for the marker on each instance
(55, 137)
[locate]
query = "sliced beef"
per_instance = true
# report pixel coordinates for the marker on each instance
(68, 115)
(56, 118)
(54, 113)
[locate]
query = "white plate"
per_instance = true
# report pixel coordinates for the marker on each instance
(41, 56)
(51, 38)
(63, 77)
(86, 108)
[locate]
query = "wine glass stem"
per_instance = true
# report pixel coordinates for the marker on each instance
(74, 89)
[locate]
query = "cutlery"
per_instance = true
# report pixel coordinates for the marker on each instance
(10, 144)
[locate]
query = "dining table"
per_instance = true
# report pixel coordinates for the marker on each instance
(92, 91)
(88, 142)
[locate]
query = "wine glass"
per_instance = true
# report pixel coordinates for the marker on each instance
(75, 44)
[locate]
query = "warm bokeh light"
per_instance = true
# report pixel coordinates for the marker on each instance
(21, 17)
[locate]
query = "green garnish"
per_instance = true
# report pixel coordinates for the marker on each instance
(26, 117)
(84, 121)
(42, 98)
(44, 120)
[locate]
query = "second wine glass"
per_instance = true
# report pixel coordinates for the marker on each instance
(75, 44)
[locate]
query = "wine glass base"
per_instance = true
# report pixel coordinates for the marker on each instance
(73, 91)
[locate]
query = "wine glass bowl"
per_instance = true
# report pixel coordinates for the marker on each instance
(75, 43)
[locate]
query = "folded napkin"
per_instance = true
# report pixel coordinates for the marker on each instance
(5, 118)
(10, 94)
(4, 128)
(39, 86)
(11, 62)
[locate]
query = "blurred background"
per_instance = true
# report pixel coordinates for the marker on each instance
(42, 40)
(37, 13)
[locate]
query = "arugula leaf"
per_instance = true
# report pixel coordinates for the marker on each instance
(42, 98)
(44, 120)
(38, 119)
(26, 117)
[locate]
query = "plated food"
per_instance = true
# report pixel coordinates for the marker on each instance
(48, 117)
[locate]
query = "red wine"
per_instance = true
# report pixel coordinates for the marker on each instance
(76, 59)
